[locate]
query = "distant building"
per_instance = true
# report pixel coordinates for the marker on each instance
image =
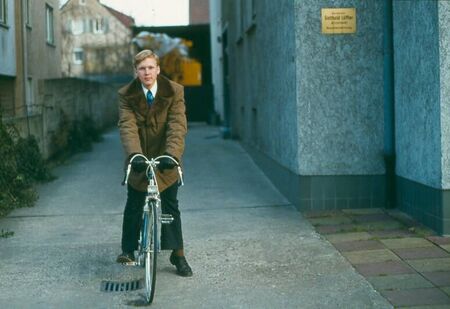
(198, 12)
(30, 49)
(96, 41)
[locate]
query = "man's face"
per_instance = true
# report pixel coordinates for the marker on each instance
(147, 71)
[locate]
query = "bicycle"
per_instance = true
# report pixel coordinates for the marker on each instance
(152, 218)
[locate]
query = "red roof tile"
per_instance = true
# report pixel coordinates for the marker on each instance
(128, 21)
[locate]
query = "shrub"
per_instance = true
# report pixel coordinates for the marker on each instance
(75, 136)
(21, 165)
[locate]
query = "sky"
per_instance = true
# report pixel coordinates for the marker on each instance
(152, 12)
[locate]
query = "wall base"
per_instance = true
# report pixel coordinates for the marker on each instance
(323, 192)
(425, 204)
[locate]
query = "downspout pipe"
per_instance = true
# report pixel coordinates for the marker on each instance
(389, 104)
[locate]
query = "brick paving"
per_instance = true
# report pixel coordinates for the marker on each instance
(405, 262)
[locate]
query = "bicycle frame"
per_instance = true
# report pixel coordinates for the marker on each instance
(152, 216)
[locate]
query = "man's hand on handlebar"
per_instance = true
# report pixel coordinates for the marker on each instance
(138, 165)
(166, 163)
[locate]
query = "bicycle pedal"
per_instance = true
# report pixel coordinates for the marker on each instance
(130, 264)
(166, 219)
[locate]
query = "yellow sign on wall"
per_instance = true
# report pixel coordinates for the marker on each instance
(338, 20)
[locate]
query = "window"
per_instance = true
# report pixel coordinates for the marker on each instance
(77, 27)
(245, 18)
(49, 24)
(239, 20)
(249, 15)
(30, 96)
(78, 56)
(27, 13)
(100, 25)
(3, 12)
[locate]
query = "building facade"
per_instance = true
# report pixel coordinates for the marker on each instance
(31, 51)
(198, 12)
(97, 41)
(347, 119)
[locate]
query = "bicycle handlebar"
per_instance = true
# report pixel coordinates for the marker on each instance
(151, 164)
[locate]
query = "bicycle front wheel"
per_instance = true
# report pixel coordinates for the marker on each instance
(150, 253)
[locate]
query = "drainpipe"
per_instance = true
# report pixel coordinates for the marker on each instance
(389, 107)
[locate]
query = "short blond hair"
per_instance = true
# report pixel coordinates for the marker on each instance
(144, 54)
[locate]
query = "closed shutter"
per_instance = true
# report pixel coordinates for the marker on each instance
(105, 24)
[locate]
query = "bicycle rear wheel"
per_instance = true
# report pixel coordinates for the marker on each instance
(150, 253)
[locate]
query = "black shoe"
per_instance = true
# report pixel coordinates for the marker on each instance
(183, 268)
(125, 257)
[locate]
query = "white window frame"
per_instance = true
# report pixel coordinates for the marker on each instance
(49, 25)
(30, 96)
(3, 12)
(27, 13)
(239, 14)
(76, 52)
(98, 25)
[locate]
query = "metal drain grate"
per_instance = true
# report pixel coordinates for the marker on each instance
(111, 286)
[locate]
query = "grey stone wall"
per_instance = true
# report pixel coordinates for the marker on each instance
(264, 107)
(444, 47)
(339, 91)
(74, 98)
(417, 91)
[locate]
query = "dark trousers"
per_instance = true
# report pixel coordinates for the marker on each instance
(171, 234)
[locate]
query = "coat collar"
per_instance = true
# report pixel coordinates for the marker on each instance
(135, 95)
(134, 89)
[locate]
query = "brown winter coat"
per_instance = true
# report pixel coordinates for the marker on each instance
(153, 130)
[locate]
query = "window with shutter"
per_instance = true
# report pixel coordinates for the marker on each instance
(50, 28)
(78, 55)
(3, 12)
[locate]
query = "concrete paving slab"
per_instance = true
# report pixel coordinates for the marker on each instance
(372, 218)
(248, 247)
(370, 256)
(399, 282)
(328, 229)
(445, 247)
(430, 265)
(439, 240)
(417, 297)
(363, 211)
(426, 307)
(446, 290)
(421, 253)
(401, 243)
(344, 237)
(384, 225)
(439, 278)
(339, 228)
(330, 221)
(384, 268)
(321, 213)
(358, 245)
(401, 233)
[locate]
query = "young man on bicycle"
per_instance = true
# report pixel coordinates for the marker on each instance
(152, 121)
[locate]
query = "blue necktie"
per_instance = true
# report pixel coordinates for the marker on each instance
(150, 98)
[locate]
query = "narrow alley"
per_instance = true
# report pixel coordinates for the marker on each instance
(247, 245)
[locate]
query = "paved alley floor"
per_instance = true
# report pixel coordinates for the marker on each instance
(405, 261)
(247, 245)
